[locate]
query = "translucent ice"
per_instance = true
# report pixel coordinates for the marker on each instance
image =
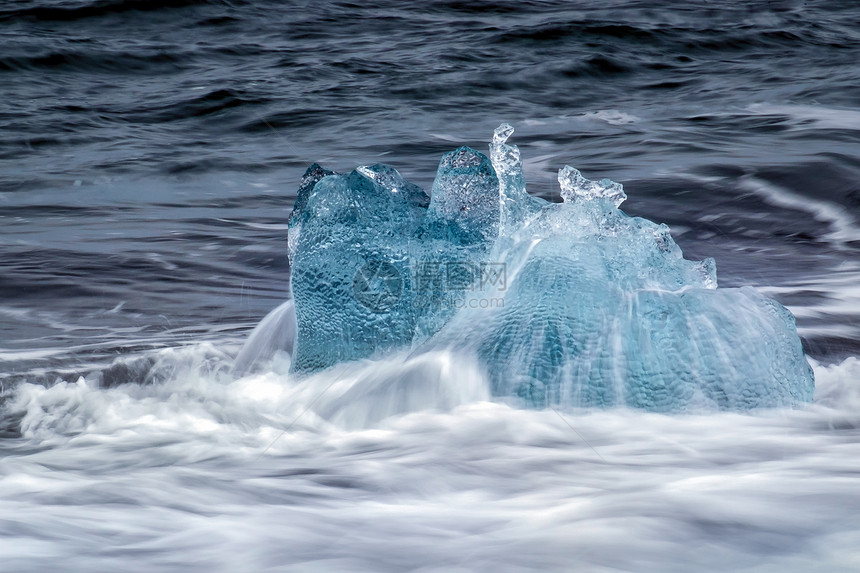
(350, 265)
(464, 206)
(516, 205)
(460, 228)
(571, 303)
(574, 185)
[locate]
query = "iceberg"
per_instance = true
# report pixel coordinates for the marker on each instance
(561, 304)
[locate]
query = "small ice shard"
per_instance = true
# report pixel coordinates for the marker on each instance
(501, 135)
(707, 269)
(509, 167)
(516, 205)
(576, 187)
(663, 238)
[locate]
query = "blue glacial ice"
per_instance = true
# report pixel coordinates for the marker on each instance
(350, 258)
(572, 303)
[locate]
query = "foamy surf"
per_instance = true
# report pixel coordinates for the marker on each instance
(268, 472)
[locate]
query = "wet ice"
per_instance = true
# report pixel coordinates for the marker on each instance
(591, 307)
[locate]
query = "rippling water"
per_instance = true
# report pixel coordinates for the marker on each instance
(149, 155)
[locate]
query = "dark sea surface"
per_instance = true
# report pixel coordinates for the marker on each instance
(149, 155)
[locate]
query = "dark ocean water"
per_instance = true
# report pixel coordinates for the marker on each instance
(149, 156)
(150, 149)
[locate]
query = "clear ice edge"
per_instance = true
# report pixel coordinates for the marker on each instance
(562, 304)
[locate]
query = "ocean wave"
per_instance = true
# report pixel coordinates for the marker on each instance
(205, 470)
(74, 10)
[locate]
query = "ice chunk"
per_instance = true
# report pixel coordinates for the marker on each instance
(571, 303)
(351, 266)
(311, 177)
(461, 226)
(563, 335)
(576, 187)
(516, 205)
(602, 309)
(464, 207)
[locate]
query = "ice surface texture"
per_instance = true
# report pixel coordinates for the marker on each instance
(350, 264)
(571, 303)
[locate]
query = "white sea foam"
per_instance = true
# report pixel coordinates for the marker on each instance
(404, 465)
